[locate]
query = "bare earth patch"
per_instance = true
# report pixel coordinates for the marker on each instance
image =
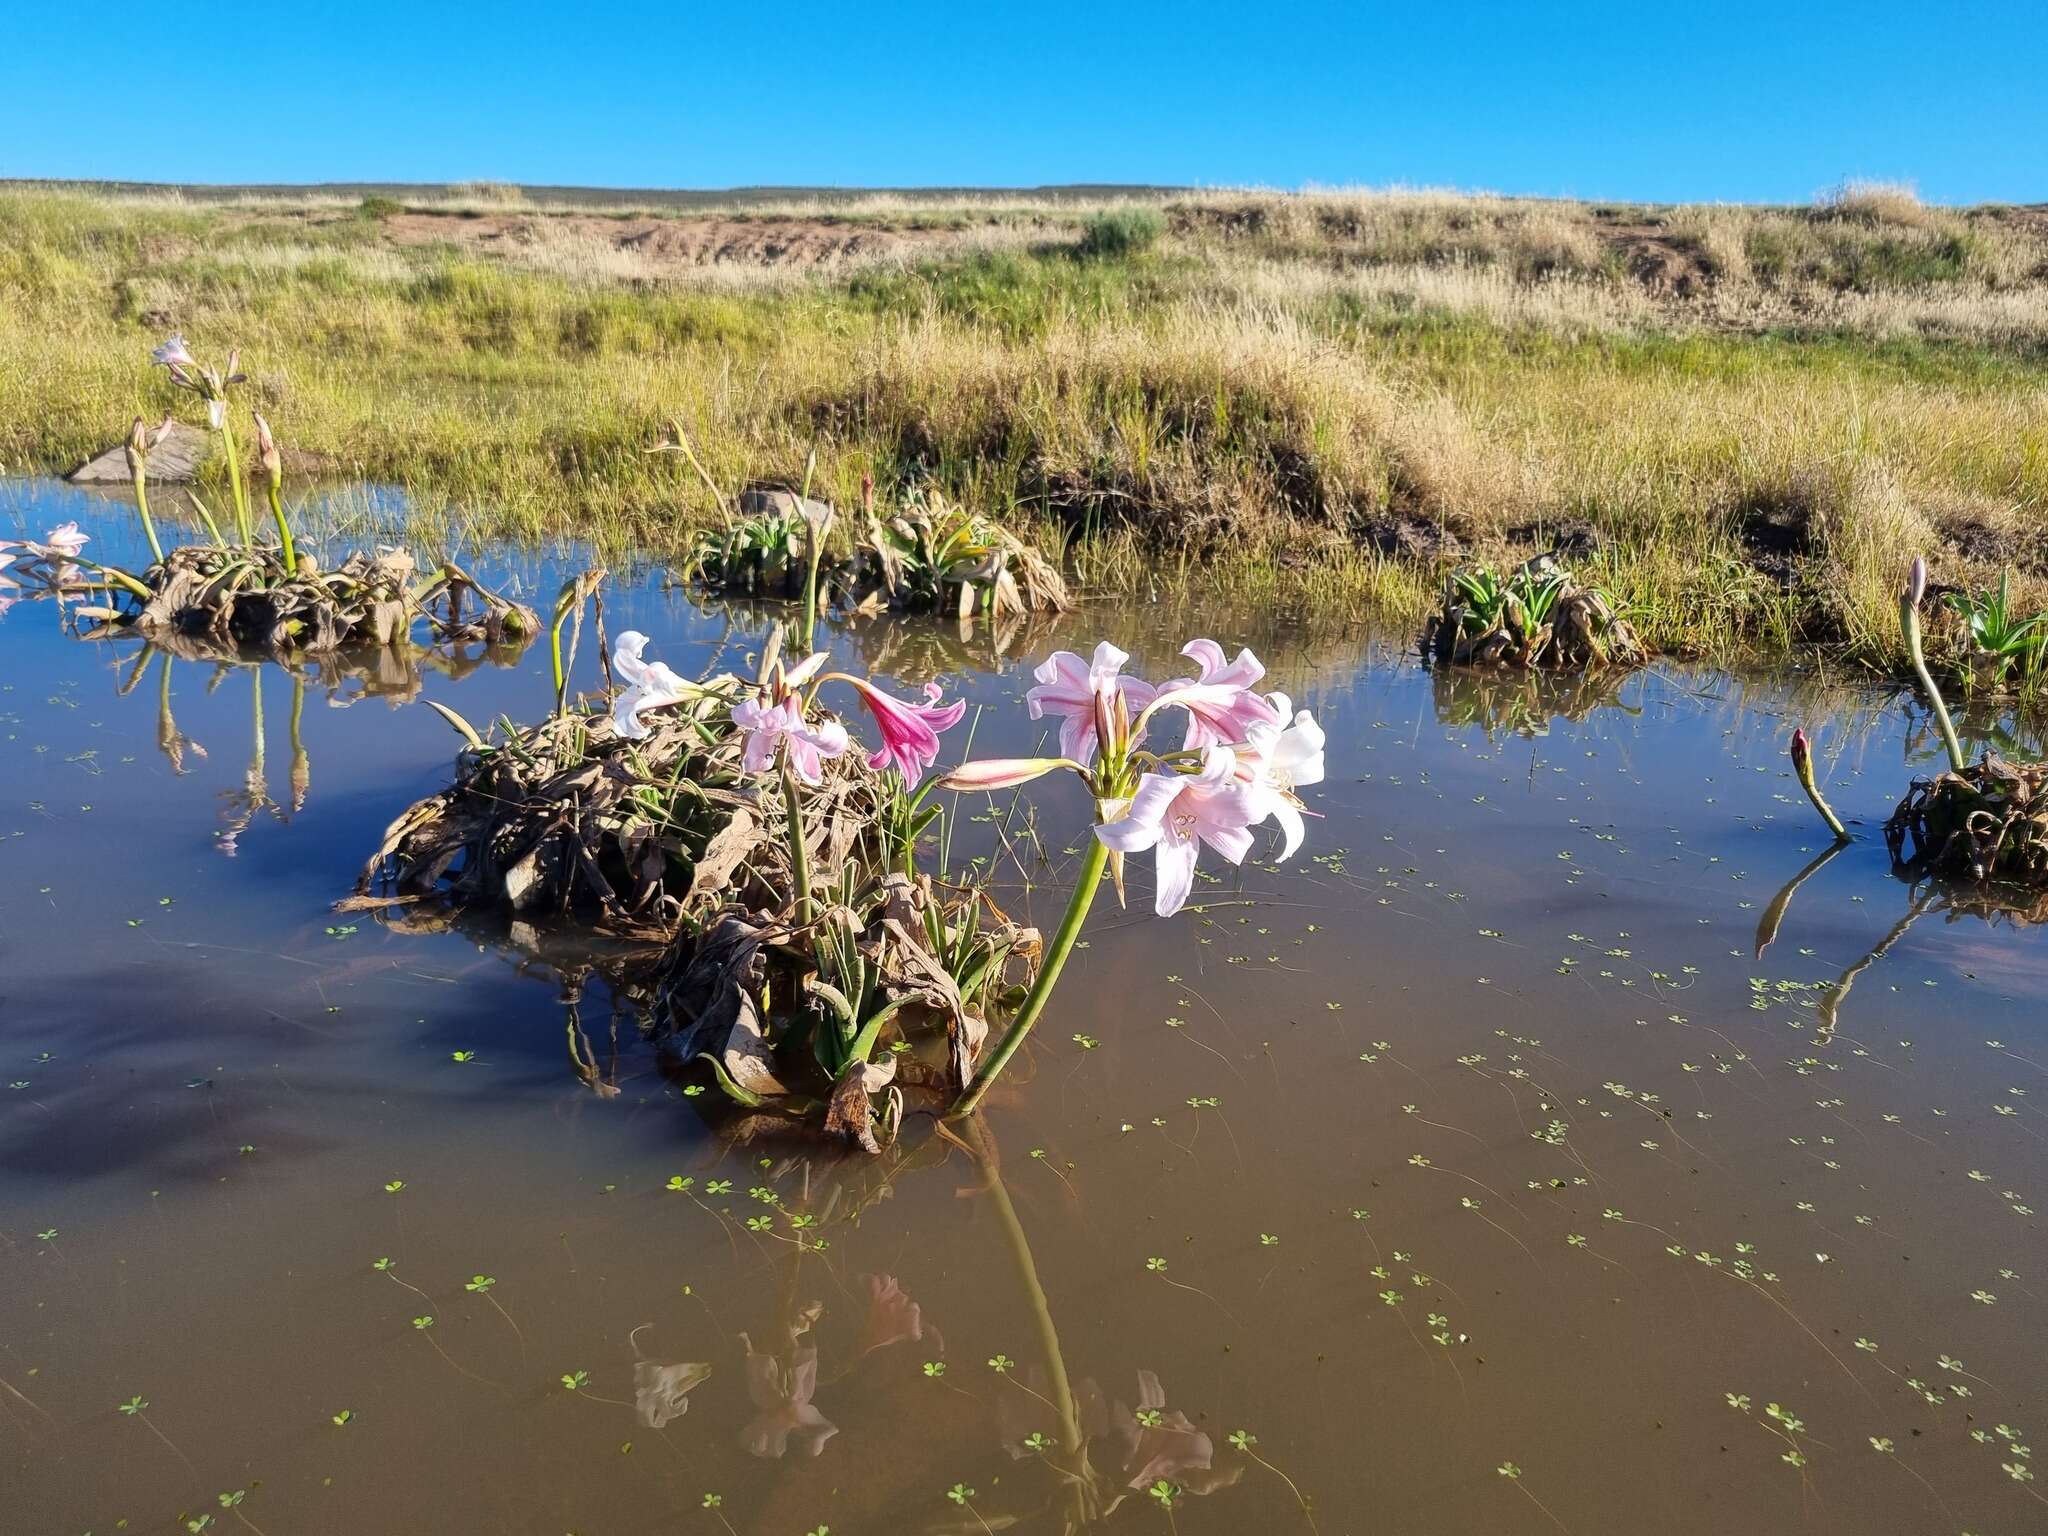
(673, 245)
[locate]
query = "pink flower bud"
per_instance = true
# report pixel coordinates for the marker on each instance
(1916, 580)
(1003, 772)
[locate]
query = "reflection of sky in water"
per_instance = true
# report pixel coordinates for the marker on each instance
(1522, 908)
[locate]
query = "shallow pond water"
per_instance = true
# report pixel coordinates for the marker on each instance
(1471, 1173)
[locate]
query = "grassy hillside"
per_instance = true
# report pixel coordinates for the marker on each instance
(1758, 414)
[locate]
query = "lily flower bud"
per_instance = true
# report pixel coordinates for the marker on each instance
(266, 451)
(1004, 772)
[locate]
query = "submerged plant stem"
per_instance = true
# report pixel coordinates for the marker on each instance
(1092, 865)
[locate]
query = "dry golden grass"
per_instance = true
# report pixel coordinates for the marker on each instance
(1283, 389)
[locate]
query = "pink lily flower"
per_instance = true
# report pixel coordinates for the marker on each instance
(783, 1396)
(1173, 814)
(1069, 687)
(1221, 706)
(910, 732)
(769, 726)
(1278, 761)
(893, 1317)
(174, 354)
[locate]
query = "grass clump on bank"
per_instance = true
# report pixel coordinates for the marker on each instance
(1754, 412)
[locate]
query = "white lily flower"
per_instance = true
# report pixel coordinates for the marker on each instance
(650, 685)
(1277, 761)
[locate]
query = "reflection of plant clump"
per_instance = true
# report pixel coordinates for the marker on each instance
(1537, 616)
(1523, 703)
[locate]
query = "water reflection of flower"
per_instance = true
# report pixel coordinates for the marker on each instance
(1145, 1443)
(662, 1392)
(893, 1318)
(782, 1391)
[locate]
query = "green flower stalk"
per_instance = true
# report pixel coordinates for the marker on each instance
(227, 437)
(819, 527)
(1802, 764)
(189, 374)
(799, 853)
(273, 474)
(1094, 861)
(1909, 623)
(140, 441)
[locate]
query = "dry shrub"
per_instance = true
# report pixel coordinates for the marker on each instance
(1878, 202)
(1211, 424)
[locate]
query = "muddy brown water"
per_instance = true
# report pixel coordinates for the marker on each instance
(1472, 1168)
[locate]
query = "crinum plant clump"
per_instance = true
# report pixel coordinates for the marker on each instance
(1538, 615)
(230, 592)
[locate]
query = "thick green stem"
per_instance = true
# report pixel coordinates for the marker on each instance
(142, 506)
(799, 854)
(817, 542)
(1093, 863)
(227, 437)
(1909, 621)
(1804, 764)
(555, 655)
(284, 532)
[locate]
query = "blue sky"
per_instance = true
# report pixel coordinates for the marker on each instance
(1736, 101)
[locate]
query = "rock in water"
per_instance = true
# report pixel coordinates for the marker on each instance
(174, 461)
